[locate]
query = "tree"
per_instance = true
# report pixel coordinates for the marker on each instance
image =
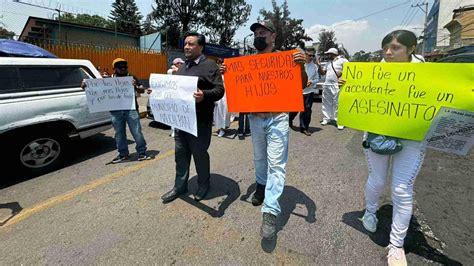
(176, 17)
(6, 34)
(149, 26)
(222, 18)
(126, 16)
(290, 32)
(86, 19)
(361, 56)
(327, 39)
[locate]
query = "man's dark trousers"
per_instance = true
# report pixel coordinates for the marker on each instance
(305, 117)
(187, 145)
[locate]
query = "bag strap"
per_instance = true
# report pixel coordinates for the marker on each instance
(335, 72)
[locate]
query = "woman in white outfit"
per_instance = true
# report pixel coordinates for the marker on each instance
(398, 46)
(222, 116)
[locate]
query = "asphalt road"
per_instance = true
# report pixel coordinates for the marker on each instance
(91, 212)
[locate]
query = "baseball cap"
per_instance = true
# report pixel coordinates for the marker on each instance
(332, 51)
(267, 24)
(118, 60)
(178, 60)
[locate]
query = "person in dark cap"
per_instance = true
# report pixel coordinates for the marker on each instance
(120, 118)
(210, 89)
(270, 132)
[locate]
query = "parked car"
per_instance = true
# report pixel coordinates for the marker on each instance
(42, 109)
(458, 58)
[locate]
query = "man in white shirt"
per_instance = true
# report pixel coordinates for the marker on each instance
(333, 72)
(308, 93)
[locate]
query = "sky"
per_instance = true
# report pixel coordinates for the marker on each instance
(349, 19)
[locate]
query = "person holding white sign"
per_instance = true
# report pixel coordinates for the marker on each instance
(398, 46)
(120, 118)
(209, 89)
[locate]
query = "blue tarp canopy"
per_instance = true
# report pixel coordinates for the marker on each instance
(22, 49)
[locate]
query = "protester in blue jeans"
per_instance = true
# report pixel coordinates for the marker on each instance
(121, 118)
(270, 141)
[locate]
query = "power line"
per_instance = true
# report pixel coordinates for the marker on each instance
(371, 14)
(411, 18)
(407, 14)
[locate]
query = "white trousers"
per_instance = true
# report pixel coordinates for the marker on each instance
(221, 115)
(330, 102)
(406, 165)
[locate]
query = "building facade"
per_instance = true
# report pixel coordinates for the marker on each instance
(437, 37)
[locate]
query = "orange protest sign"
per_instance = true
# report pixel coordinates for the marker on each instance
(269, 82)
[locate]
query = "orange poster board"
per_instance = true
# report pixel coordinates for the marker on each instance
(269, 82)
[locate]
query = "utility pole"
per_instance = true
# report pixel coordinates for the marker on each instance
(425, 10)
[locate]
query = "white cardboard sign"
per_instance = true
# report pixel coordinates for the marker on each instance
(110, 94)
(452, 131)
(172, 101)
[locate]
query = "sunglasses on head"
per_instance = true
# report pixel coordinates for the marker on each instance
(121, 66)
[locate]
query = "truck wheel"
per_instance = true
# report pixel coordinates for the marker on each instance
(40, 153)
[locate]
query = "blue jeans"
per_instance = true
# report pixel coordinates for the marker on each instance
(270, 152)
(119, 120)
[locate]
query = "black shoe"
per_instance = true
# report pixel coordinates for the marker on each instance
(143, 157)
(248, 133)
(306, 132)
(120, 158)
(172, 195)
(268, 230)
(241, 136)
(259, 195)
(201, 193)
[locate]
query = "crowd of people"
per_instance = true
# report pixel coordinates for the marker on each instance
(270, 131)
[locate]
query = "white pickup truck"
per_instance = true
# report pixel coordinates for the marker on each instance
(42, 108)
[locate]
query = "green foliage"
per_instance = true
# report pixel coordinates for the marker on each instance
(222, 18)
(176, 17)
(126, 16)
(327, 40)
(290, 31)
(86, 19)
(6, 34)
(361, 56)
(217, 19)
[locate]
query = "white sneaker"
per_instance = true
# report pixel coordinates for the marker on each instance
(172, 133)
(221, 133)
(340, 127)
(324, 122)
(369, 221)
(396, 256)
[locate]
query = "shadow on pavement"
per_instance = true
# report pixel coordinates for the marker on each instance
(314, 129)
(220, 186)
(77, 152)
(289, 200)
(14, 207)
(415, 242)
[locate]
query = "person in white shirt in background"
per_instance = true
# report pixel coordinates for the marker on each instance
(222, 117)
(333, 72)
(177, 62)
